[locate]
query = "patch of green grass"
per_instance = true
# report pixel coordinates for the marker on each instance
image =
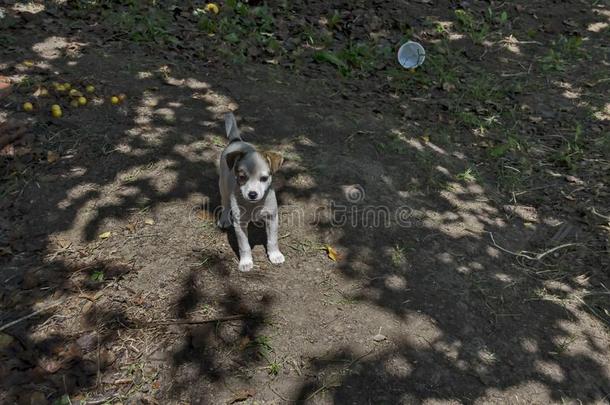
(469, 175)
(482, 88)
(97, 276)
(218, 140)
(273, 368)
(356, 58)
(144, 24)
(476, 29)
(562, 53)
(398, 255)
(512, 144)
(7, 39)
(63, 400)
(395, 142)
(334, 20)
(242, 28)
(263, 345)
(496, 19)
(571, 151)
(512, 176)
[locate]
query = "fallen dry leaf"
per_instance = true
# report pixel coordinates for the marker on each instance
(105, 235)
(149, 221)
(332, 253)
(242, 395)
(63, 244)
(52, 157)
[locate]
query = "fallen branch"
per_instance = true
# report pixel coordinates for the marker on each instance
(23, 318)
(538, 256)
(194, 321)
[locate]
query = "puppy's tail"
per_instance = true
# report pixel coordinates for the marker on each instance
(231, 127)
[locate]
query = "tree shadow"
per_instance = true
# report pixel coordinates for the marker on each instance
(462, 320)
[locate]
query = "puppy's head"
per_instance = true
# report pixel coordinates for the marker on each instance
(253, 172)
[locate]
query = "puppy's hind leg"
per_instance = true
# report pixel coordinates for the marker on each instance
(273, 251)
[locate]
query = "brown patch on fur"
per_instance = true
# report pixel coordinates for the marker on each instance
(275, 160)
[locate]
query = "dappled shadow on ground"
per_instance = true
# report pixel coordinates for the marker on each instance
(42, 356)
(461, 319)
(66, 264)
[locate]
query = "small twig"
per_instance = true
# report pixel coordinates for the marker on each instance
(594, 212)
(324, 387)
(283, 398)
(99, 401)
(195, 321)
(23, 318)
(538, 256)
(357, 359)
(513, 74)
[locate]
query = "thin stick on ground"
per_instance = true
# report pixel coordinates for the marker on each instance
(538, 256)
(194, 321)
(593, 311)
(23, 318)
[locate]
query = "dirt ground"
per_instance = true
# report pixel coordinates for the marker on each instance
(446, 230)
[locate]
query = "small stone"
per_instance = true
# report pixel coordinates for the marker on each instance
(574, 180)
(379, 337)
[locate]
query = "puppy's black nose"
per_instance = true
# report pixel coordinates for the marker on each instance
(252, 195)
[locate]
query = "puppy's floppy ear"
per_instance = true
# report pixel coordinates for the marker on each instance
(275, 160)
(233, 158)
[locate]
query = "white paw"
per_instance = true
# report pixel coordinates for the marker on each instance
(224, 222)
(276, 257)
(246, 264)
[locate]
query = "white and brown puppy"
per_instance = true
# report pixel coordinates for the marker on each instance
(246, 193)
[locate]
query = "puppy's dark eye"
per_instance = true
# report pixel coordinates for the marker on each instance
(242, 178)
(264, 178)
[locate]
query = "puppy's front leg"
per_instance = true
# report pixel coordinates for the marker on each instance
(245, 253)
(273, 251)
(225, 217)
